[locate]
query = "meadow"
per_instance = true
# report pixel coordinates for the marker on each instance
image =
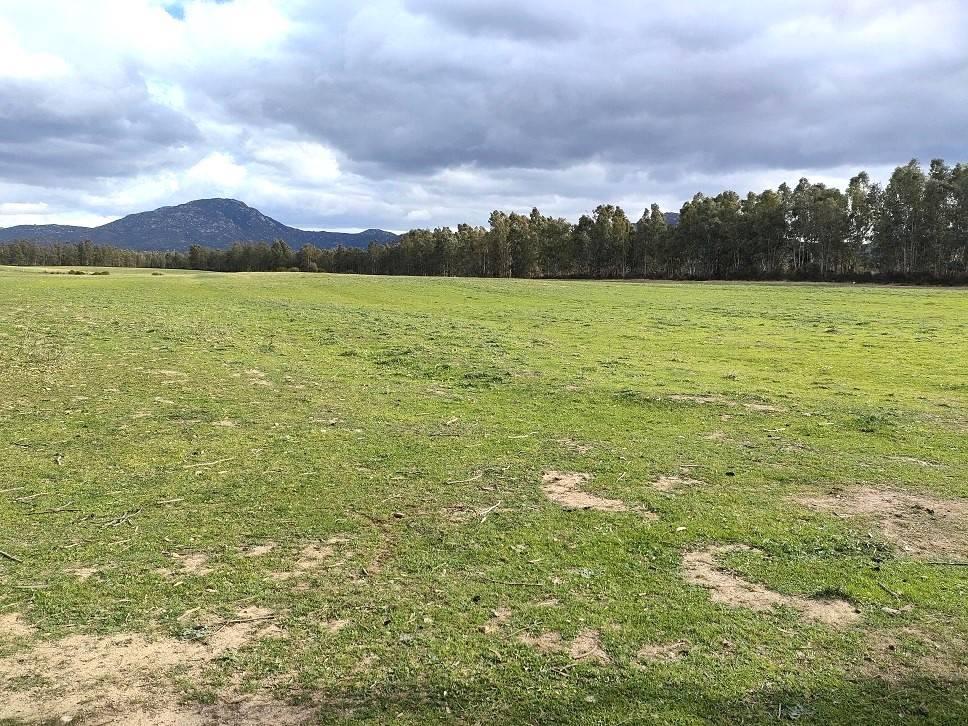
(287, 498)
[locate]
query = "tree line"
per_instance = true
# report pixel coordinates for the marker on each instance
(913, 229)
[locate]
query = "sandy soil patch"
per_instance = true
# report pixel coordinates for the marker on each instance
(702, 400)
(82, 573)
(916, 461)
(910, 653)
(251, 624)
(663, 652)
(13, 627)
(258, 378)
(312, 557)
(259, 550)
(545, 642)
(574, 446)
(128, 679)
(919, 525)
(585, 648)
(674, 483)
(499, 618)
(194, 563)
(722, 401)
(565, 489)
(763, 408)
(701, 567)
(334, 626)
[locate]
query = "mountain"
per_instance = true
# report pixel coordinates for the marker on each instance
(208, 222)
(671, 218)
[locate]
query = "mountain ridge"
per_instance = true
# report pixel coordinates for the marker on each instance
(215, 222)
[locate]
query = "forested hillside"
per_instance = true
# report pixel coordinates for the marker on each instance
(914, 228)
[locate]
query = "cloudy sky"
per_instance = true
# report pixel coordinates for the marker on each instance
(402, 113)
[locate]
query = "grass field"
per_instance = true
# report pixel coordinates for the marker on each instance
(282, 498)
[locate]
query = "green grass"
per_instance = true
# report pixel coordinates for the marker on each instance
(395, 403)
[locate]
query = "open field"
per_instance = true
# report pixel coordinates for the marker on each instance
(284, 498)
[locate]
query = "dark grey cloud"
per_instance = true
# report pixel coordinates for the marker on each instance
(49, 132)
(703, 89)
(502, 18)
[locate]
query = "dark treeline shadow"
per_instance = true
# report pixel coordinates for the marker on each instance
(915, 229)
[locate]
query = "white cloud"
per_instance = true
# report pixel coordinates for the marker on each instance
(18, 63)
(302, 161)
(218, 171)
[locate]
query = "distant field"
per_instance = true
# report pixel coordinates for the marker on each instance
(278, 498)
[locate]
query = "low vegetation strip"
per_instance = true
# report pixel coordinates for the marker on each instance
(343, 499)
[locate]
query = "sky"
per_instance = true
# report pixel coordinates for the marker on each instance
(404, 113)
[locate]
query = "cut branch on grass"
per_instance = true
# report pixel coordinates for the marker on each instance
(58, 510)
(118, 521)
(28, 497)
(207, 463)
(240, 621)
(509, 583)
(489, 510)
(467, 481)
(888, 590)
(8, 556)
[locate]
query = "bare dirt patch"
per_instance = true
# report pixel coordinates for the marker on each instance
(13, 627)
(129, 679)
(701, 567)
(921, 526)
(585, 648)
(169, 373)
(83, 573)
(702, 400)
(564, 489)
(896, 655)
(251, 624)
(334, 626)
(500, 618)
(576, 447)
(545, 642)
(674, 483)
(312, 557)
(259, 550)
(916, 461)
(193, 563)
(258, 378)
(722, 401)
(663, 652)
(763, 408)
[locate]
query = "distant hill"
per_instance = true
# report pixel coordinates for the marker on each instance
(671, 218)
(209, 222)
